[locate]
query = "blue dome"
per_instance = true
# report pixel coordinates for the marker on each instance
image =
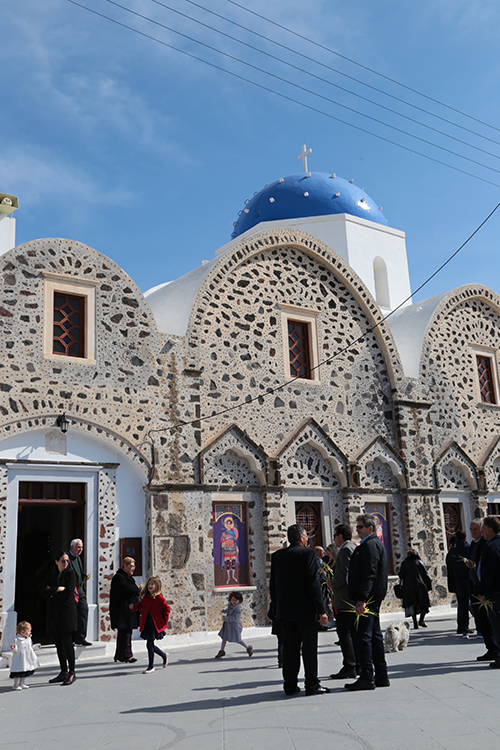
(306, 194)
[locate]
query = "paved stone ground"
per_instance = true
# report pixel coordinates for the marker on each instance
(440, 697)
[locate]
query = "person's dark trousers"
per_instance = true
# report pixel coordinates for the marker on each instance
(82, 609)
(369, 644)
(345, 627)
(494, 618)
(65, 652)
(123, 645)
(152, 650)
(483, 626)
(462, 595)
(297, 636)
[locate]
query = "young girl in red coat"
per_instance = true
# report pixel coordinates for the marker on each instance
(153, 621)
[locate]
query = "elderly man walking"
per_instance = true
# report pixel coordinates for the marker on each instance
(297, 603)
(75, 552)
(367, 588)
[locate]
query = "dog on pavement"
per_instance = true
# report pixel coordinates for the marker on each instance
(396, 636)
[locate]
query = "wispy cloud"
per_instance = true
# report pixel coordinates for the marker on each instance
(41, 177)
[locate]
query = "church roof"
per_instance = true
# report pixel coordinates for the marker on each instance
(306, 194)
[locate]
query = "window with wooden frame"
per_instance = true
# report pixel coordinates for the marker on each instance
(298, 349)
(69, 318)
(69, 325)
(132, 547)
(300, 343)
(485, 372)
(381, 512)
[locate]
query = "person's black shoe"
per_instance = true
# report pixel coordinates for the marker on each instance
(495, 664)
(319, 690)
(132, 660)
(60, 677)
(360, 685)
(422, 624)
(293, 692)
(488, 656)
(383, 682)
(346, 673)
(69, 679)
(82, 642)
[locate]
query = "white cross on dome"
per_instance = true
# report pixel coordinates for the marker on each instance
(305, 153)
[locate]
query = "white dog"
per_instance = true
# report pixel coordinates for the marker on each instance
(396, 636)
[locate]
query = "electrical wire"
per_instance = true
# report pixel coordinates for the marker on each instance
(284, 96)
(271, 391)
(360, 65)
(298, 86)
(329, 67)
(306, 72)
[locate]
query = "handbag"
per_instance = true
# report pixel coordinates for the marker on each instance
(398, 590)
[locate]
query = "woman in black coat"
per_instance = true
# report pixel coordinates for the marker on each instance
(416, 585)
(61, 592)
(124, 591)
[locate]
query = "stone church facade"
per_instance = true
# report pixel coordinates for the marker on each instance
(183, 412)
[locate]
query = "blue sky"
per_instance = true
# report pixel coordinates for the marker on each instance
(147, 154)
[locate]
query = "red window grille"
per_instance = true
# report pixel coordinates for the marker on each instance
(485, 380)
(298, 347)
(69, 318)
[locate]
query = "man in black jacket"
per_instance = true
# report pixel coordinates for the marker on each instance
(367, 588)
(489, 578)
(459, 581)
(75, 562)
(479, 613)
(297, 602)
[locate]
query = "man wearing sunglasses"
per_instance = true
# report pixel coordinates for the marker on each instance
(367, 588)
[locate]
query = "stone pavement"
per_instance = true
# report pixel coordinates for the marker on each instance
(440, 697)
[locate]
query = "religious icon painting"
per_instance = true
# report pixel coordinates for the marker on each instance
(230, 544)
(381, 513)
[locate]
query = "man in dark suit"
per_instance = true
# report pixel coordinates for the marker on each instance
(459, 581)
(367, 588)
(75, 561)
(489, 578)
(344, 618)
(297, 601)
(479, 613)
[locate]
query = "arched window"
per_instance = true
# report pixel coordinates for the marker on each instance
(381, 282)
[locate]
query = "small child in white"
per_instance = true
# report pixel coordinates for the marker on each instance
(24, 661)
(232, 628)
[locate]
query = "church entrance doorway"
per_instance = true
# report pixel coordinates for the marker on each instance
(452, 520)
(50, 515)
(309, 515)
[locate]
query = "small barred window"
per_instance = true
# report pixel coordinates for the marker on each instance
(486, 387)
(69, 318)
(299, 349)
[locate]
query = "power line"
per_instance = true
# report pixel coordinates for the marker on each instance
(283, 96)
(271, 391)
(298, 86)
(360, 65)
(307, 72)
(329, 67)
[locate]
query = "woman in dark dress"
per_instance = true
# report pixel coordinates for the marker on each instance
(416, 585)
(124, 591)
(61, 592)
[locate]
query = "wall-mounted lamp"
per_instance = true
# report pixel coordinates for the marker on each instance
(62, 423)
